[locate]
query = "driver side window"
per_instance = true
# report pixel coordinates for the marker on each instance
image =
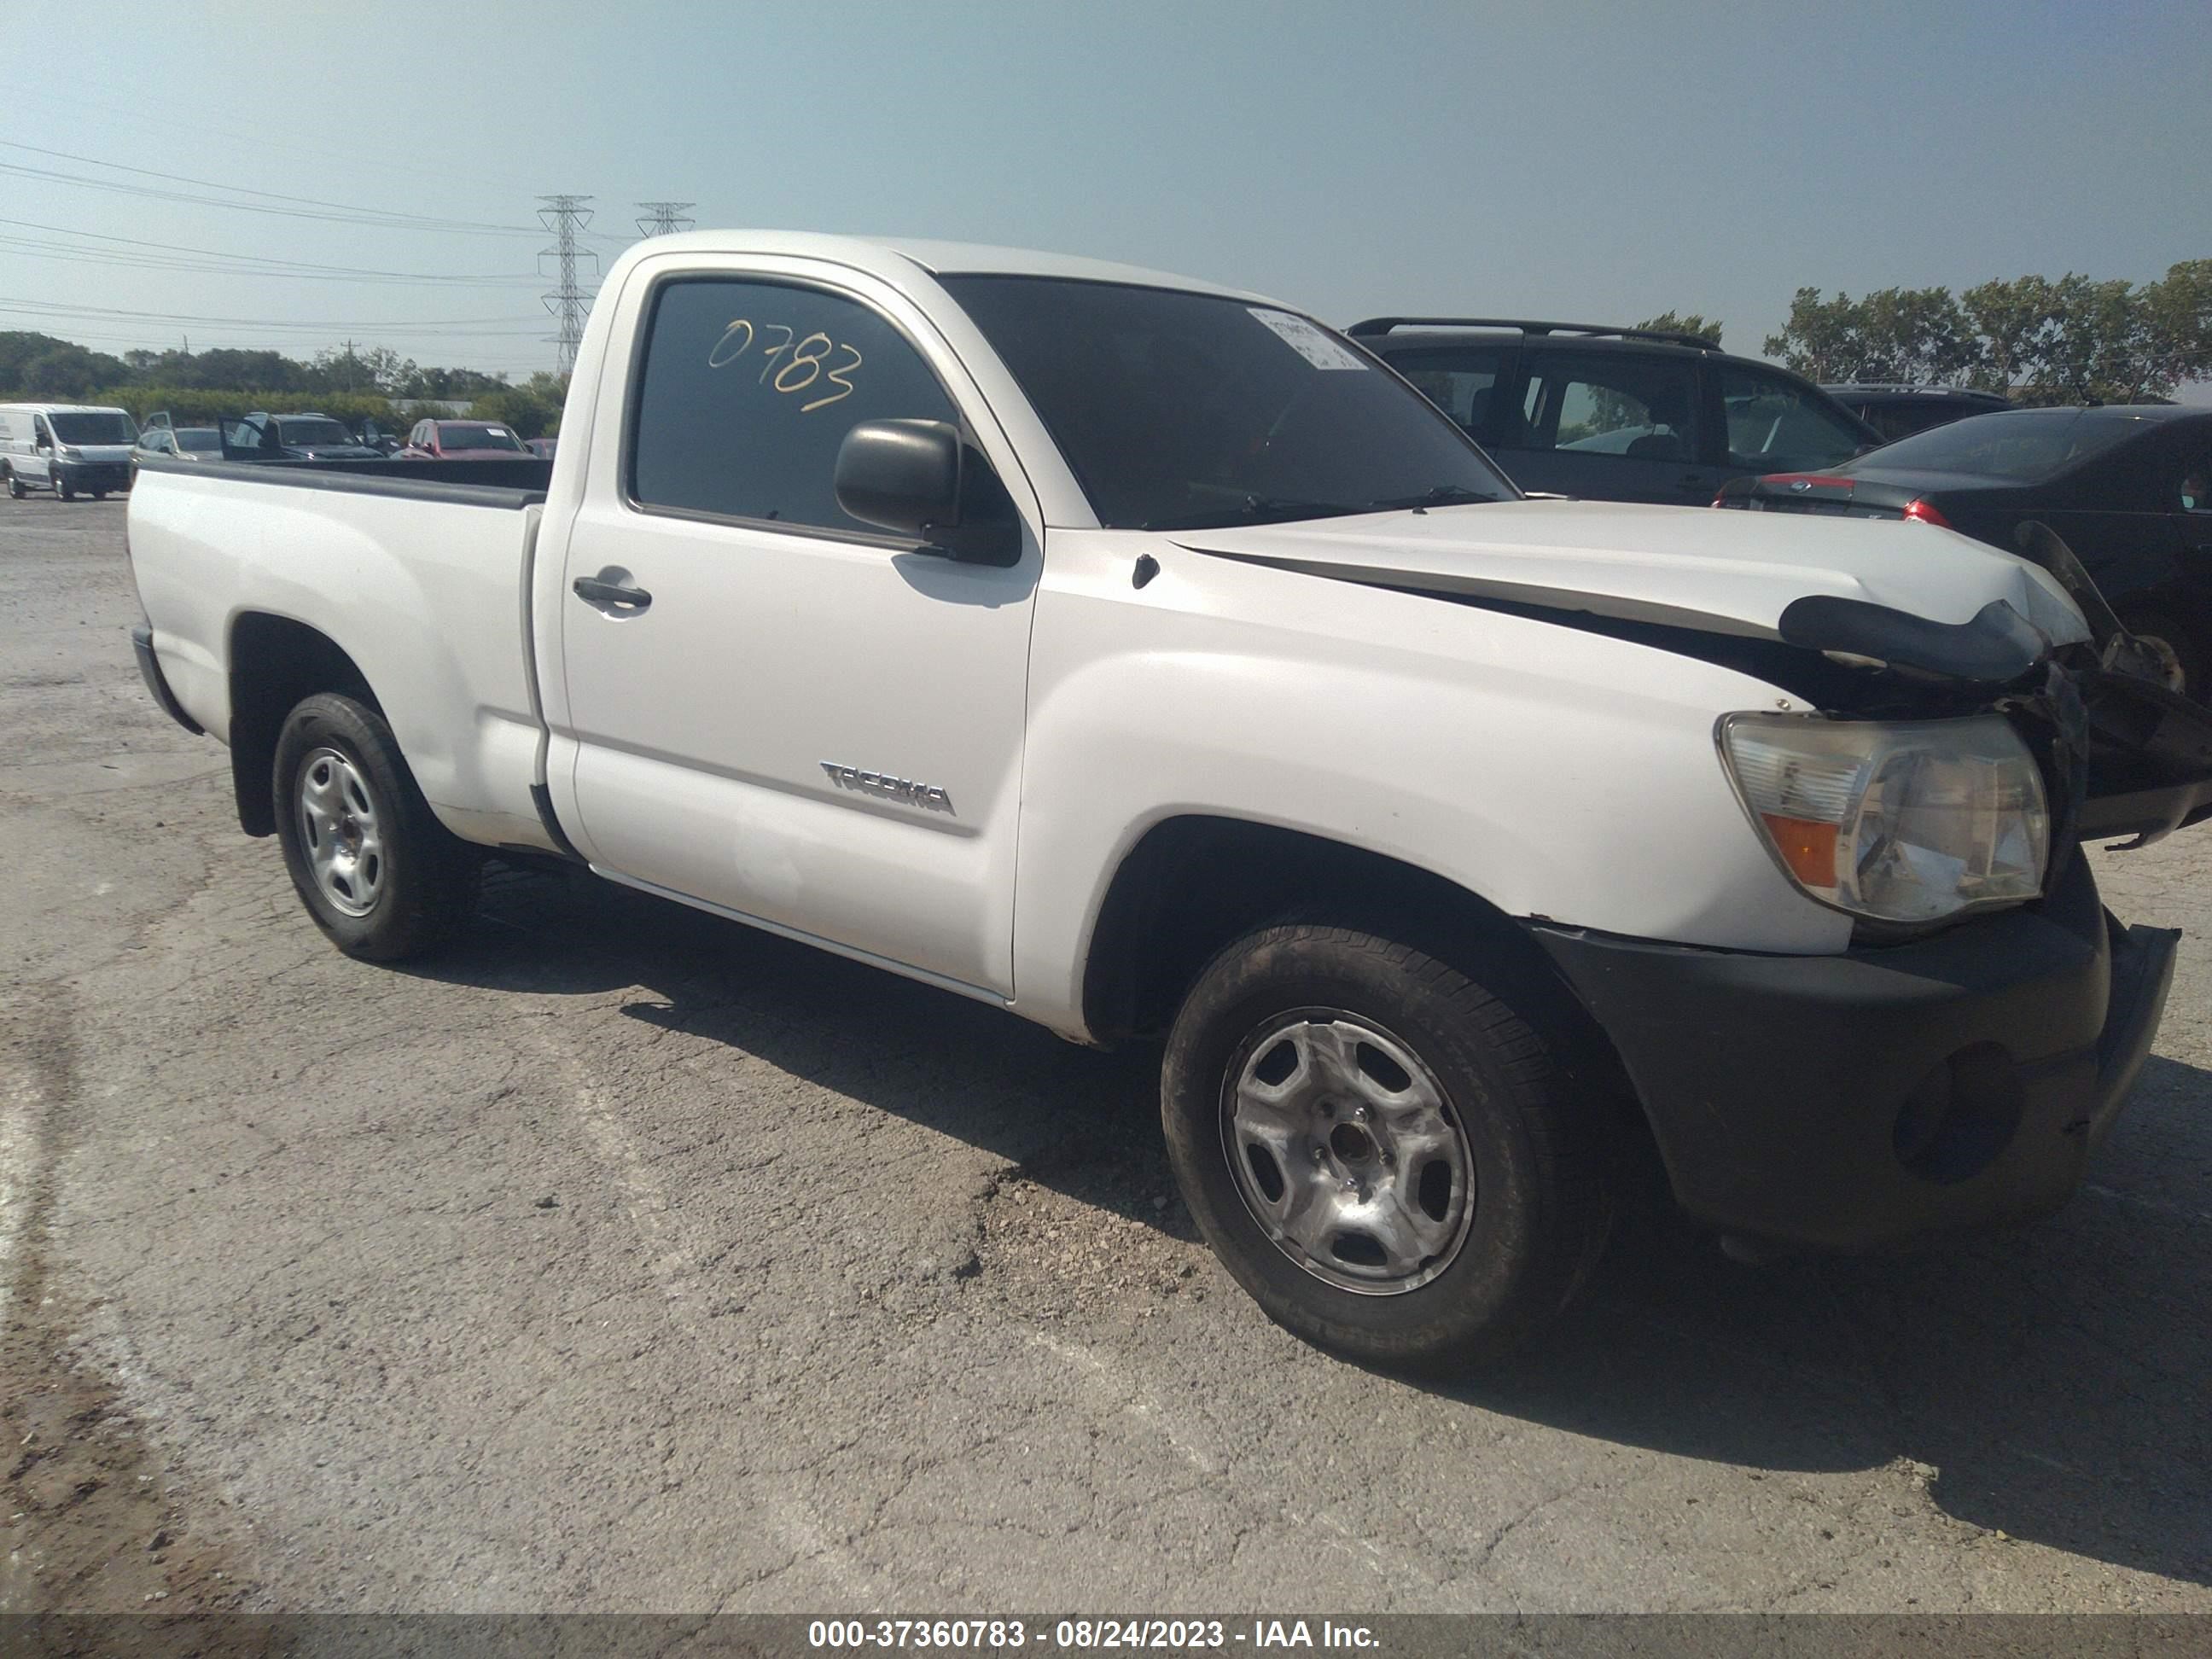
(1641, 406)
(748, 390)
(1774, 427)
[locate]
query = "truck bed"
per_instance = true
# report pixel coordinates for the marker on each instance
(416, 570)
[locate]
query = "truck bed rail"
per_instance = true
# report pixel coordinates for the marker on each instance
(519, 483)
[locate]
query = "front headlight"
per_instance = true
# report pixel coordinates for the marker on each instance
(1905, 823)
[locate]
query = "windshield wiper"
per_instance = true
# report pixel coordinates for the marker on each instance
(1442, 495)
(1257, 510)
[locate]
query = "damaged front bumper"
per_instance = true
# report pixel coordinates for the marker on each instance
(1862, 1100)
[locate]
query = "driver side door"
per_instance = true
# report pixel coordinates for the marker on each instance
(778, 711)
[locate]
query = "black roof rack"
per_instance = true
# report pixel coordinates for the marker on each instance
(1385, 325)
(1917, 387)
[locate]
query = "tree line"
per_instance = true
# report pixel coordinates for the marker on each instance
(351, 383)
(40, 365)
(2074, 340)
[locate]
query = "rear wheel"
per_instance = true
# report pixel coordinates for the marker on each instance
(1380, 1150)
(15, 487)
(381, 877)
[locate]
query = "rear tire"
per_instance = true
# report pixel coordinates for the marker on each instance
(381, 877)
(1380, 1150)
(15, 487)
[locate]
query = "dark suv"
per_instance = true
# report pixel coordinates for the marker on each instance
(306, 436)
(1616, 414)
(1898, 410)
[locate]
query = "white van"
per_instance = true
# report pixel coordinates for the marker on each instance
(72, 449)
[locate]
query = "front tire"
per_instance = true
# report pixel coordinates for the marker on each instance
(1380, 1149)
(63, 490)
(381, 877)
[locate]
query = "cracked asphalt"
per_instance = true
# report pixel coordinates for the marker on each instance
(626, 1259)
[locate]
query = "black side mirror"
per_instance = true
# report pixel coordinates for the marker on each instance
(917, 479)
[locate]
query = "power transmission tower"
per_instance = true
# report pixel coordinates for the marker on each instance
(664, 218)
(566, 217)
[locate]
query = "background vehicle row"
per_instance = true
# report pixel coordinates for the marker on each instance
(2128, 487)
(1615, 414)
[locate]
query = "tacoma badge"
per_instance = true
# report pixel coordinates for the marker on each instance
(926, 795)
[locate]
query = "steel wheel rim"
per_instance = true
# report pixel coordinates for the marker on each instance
(1347, 1152)
(341, 831)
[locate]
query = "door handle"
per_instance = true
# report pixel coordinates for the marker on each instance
(617, 599)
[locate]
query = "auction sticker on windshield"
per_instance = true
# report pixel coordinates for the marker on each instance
(1308, 341)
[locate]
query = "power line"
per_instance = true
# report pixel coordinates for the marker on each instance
(413, 221)
(47, 175)
(171, 120)
(664, 218)
(566, 215)
(483, 327)
(159, 256)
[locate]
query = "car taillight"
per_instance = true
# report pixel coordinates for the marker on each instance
(1925, 513)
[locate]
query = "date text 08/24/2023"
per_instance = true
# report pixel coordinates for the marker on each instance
(1087, 1634)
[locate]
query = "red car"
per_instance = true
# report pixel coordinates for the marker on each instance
(461, 441)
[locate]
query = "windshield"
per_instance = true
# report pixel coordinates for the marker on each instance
(1177, 410)
(101, 427)
(452, 436)
(319, 432)
(2022, 443)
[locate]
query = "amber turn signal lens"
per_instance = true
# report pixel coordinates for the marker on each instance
(1809, 848)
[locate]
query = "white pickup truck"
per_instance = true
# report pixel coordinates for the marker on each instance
(1144, 658)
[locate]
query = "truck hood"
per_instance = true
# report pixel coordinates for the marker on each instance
(1718, 572)
(101, 452)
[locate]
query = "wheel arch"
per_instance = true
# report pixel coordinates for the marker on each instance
(275, 662)
(1194, 882)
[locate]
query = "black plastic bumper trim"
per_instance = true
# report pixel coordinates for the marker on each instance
(542, 799)
(1775, 1084)
(149, 667)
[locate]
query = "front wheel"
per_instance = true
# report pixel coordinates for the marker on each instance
(63, 489)
(1380, 1150)
(381, 877)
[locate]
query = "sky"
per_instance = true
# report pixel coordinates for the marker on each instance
(1590, 162)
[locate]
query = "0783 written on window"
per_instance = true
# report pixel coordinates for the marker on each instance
(750, 387)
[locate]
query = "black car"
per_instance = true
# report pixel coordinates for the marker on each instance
(306, 436)
(1615, 414)
(1898, 410)
(2128, 487)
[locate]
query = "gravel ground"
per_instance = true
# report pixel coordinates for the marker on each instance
(626, 1259)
